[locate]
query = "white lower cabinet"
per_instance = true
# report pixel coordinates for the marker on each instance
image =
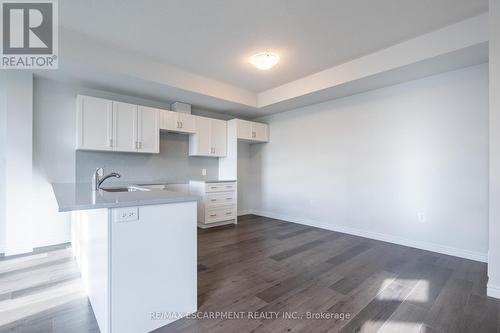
(218, 205)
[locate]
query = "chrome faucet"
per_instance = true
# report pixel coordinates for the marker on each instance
(98, 178)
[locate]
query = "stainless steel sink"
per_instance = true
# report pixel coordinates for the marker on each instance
(125, 189)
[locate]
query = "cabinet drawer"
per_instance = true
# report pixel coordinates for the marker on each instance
(219, 199)
(219, 187)
(220, 214)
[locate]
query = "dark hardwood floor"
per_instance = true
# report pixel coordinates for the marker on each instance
(268, 269)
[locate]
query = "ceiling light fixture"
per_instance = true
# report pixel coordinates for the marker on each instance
(264, 60)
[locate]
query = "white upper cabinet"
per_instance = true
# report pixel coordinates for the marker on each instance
(260, 132)
(94, 123)
(148, 134)
(210, 138)
(124, 127)
(252, 131)
(177, 122)
(244, 129)
(187, 123)
(199, 143)
(116, 126)
(218, 136)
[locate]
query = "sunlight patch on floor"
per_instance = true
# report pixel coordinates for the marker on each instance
(420, 292)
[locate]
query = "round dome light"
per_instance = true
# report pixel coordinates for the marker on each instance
(264, 60)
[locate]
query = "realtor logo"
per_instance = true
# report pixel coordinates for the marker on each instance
(29, 34)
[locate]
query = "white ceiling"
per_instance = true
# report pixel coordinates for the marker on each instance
(215, 38)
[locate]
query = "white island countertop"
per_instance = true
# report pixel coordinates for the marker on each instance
(79, 196)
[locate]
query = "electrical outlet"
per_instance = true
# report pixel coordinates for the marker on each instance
(203, 172)
(421, 217)
(126, 214)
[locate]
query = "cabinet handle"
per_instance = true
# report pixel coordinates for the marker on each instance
(213, 187)
(229, 198)
(110, 143)
(181, 124)
(254, 134)
(140, 145)
(229, 213)
(213, 200)
(213, 215)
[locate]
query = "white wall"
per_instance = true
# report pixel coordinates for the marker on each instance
(53, 158)
(3, 129)
(407, 163)
(494, 231)
(18, 120)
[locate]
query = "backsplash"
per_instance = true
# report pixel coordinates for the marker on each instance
(172, 164)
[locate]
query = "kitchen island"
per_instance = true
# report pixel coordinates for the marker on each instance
(136, 249)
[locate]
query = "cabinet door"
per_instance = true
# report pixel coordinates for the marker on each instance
(169, 120)
(148, 130)
(244, 129)
(260, 132)
(124, 127)
(199, 143)
(218, 137)
(187, 123)
(94, 123)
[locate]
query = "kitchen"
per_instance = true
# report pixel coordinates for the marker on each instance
(141, 211)
(193, 166)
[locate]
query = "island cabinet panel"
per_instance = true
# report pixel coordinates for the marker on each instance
(148, 273)
(137, 261)
(89, 242)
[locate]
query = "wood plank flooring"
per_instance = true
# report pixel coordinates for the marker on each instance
(267, 269)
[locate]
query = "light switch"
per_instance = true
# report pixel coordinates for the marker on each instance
(126, 214)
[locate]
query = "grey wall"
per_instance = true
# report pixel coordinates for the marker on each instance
(248, 190)
(407, 163)
(172, 164)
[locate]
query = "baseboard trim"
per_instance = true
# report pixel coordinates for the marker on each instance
(493, 291)
(476, 256)
(244, 212)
